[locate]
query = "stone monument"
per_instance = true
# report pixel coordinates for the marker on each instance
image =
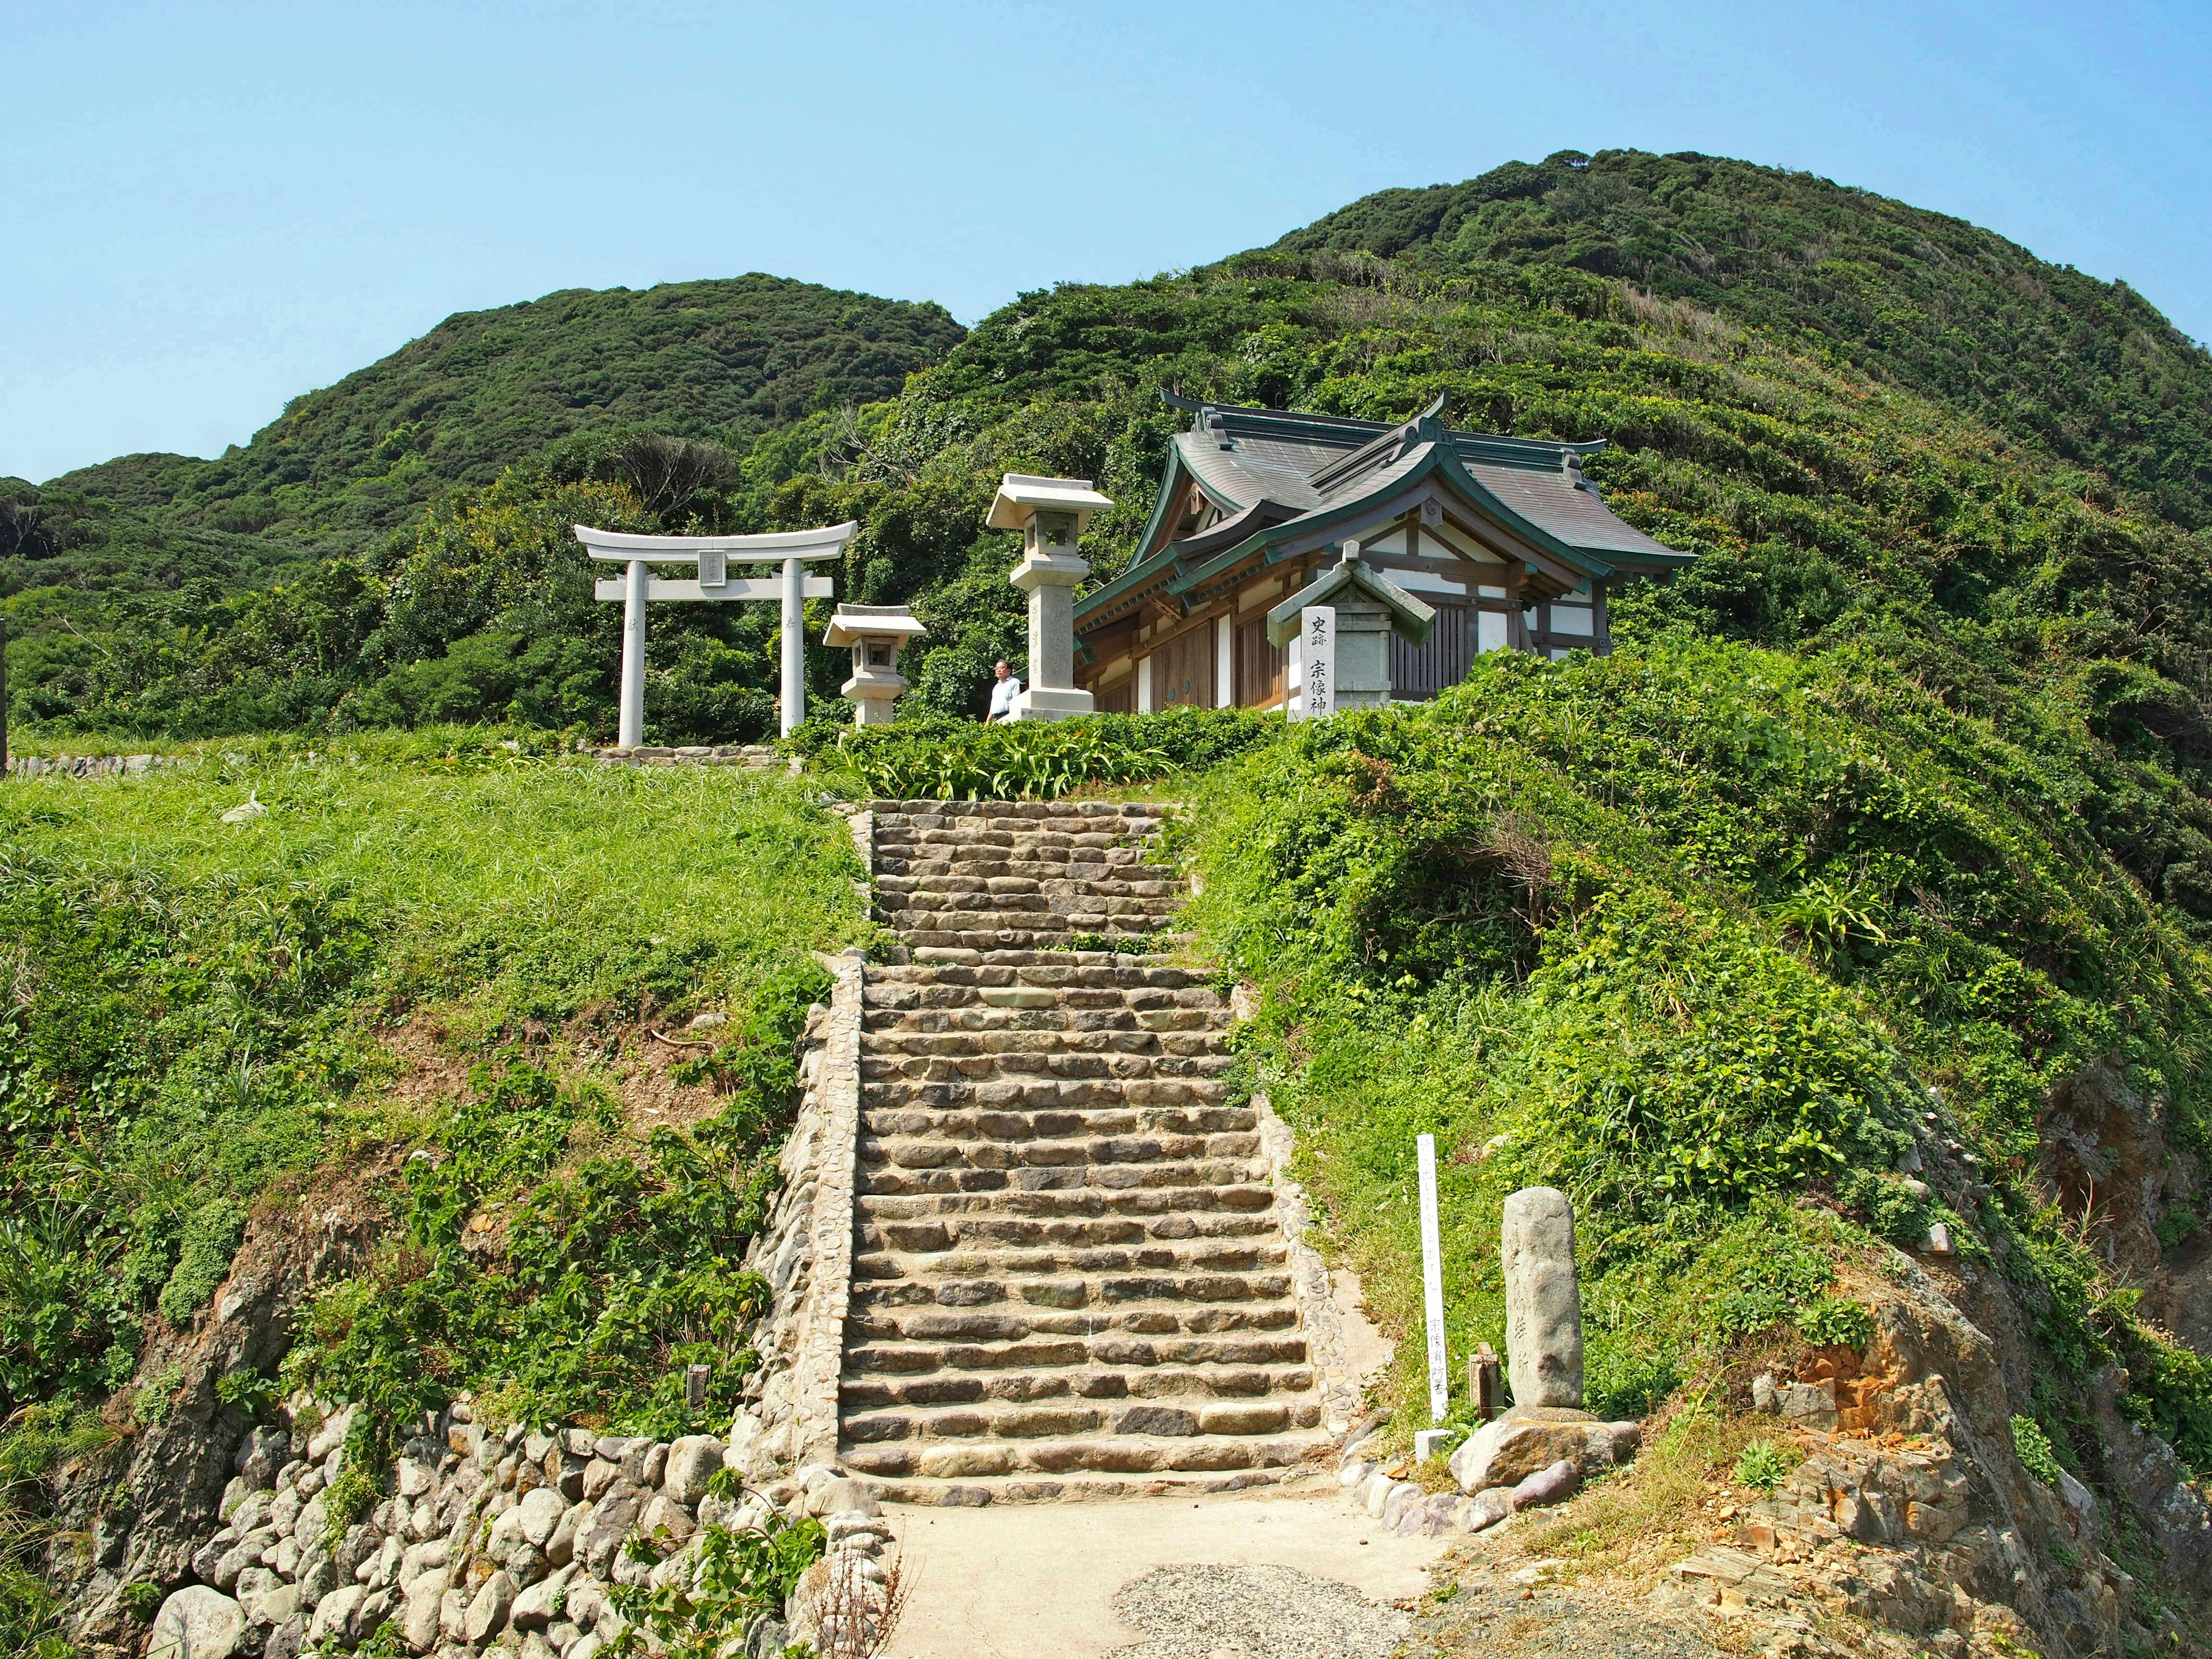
(1050, 512)
(1369, 607)
(876, 633)
(1546, 1443)
(1543, 1302)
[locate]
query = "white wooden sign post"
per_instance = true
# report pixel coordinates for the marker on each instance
(1433, 1282)
(713, 555)
(1312, 665)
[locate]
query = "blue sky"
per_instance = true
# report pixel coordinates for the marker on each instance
(215, 208)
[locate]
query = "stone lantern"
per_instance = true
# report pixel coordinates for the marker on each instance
(875, 633)
(1050, 512)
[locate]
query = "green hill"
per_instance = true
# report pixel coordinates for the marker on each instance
(724, 359)
(2089, 370)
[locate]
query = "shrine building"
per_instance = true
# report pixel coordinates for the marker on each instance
(1503, 537)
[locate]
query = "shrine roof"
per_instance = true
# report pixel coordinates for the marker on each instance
(1280, 478)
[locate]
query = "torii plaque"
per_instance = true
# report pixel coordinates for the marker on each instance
(713, 555)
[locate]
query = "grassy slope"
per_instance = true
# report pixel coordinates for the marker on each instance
(206, 1014)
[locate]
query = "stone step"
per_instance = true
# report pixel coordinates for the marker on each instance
(979, 944)
(1089, 1063)
(1125, 1455)
(1186, 1417)
(1108, 1350)
(1055, 1277)
(1047, 1094)
(1087, 1309)
(893, 1122)
(1159, 952)
(1040, 844)
(880, 1178)
(1114, 917)
(1141, 881)
(1086, 970)
(1228, 1149)
(982, 1032)
(886, 1245)
(1076, 874)
(1181, 1385)
(976, 1491)
(1018, 811)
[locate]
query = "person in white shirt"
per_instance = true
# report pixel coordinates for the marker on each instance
(1002, 693)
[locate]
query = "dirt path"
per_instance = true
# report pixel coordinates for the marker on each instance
(1041, 1581)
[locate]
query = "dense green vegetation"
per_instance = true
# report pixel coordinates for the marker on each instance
(206, 1018)
(164, 595)
(1701, 935)
(2088, 371)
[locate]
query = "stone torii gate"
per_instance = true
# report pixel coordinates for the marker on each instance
(713, 555)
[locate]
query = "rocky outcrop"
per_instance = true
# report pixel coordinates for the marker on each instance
(139, 1525)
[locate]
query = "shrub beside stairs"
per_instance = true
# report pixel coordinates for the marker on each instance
(1069, 1276)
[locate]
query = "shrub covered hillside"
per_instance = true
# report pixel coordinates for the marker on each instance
(170, 594)
(221, 1040)
(1717, 939)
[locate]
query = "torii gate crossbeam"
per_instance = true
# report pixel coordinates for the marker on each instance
(713, 555)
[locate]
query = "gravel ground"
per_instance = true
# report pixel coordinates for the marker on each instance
(1502, 1620)
(1254, 1613)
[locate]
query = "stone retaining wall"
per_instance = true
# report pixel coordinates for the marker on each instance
(486, 1542)
(750, 754)
(1326, 1345)
(805, 1252)
(89, 766)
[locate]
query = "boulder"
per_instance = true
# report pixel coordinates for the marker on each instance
(275, 1607)
(425, 1598)
(666, 1524)
(1543, 1302)
(286, 1639)
(613, 1517)
(335, 1612)
(487, 1614)
(1554, 1485)
(375, 1607)
(1402, 1497)
(197, 1623)
(835, 1496)
(1484, 1509)
(692, 1461)
(534, 1608)
(1508, 1449)
(539, 1513)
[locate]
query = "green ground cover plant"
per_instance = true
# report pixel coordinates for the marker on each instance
(932, 757)
(1546, 919)
(199, 1017)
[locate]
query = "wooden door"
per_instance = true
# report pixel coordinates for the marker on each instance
(1259, 665)
(1183, 669)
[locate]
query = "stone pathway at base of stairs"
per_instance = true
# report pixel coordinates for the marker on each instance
(1040, 1580)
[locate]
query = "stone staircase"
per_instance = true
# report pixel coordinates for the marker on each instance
(1069, 1279)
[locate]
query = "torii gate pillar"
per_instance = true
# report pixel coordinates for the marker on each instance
(713, 555)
